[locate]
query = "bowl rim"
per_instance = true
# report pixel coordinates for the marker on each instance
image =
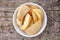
(40, 31)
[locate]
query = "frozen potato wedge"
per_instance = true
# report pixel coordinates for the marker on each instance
(22, 11)
(34, 28)
(39, 13)
(34, 17)
(27, 22)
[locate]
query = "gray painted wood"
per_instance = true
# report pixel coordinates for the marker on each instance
(7, 31)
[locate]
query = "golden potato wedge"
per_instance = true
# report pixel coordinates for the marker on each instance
(34, 28)
(39, 13)
(27, 22)
(34, 7)
(19, 23)
(22, 11)
(34, 17)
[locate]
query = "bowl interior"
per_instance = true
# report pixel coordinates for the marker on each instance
(23, 33)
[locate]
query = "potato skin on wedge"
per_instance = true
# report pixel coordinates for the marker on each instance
(34, 28)
(19, 23)
(22, 11)
(27, 22)
(34, 17)
(39, 13)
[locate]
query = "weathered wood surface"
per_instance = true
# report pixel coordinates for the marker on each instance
(7, 31)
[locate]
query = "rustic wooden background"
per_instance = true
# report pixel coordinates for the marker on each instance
(7, 31)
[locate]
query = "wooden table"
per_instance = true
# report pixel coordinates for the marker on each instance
(7, 31)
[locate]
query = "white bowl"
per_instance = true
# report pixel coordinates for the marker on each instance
(23, 33)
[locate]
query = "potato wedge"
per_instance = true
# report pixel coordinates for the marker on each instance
(34, 7)
(34, 28)
(27, 22)
(22, 11)
(39, 13)
(19, 23)
(34, 17)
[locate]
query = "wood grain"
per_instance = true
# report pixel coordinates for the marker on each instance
(7, 31)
